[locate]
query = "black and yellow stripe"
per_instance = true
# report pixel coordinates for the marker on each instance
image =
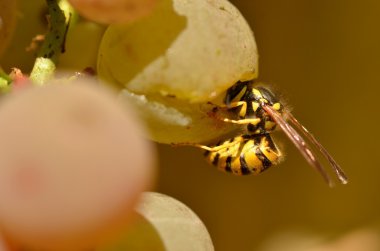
(246, 154)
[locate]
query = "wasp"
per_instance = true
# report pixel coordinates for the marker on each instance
(260, 112)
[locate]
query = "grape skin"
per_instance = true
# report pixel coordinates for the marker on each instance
(114, 11)
(190, 51)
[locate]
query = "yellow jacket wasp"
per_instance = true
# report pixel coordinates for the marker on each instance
(253, 152)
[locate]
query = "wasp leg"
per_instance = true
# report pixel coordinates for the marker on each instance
(233, 104)
(234, 90)
(245, 121)
(254, 121)
(216, 148)
(272, 146)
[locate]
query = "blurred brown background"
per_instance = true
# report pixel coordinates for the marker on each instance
(324, 56)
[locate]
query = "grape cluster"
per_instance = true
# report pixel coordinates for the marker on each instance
(170, 64)
(74, 156)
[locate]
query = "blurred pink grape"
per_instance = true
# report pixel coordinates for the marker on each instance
(73, 163)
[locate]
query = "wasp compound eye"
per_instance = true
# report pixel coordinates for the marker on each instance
(268, 95)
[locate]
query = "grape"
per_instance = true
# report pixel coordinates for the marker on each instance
(114, 11)
(78, 57)
(174, 121)
(163, 223)
(31, 22)
(188, 51)
(7, 21)
(72, 165)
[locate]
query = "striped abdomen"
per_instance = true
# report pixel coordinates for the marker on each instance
(247, 154)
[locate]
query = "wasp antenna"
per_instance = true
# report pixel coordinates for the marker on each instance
(299, 142)
(338, 170)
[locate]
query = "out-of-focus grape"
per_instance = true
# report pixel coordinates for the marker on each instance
(77, 56)
(114, 11)
(185, 53)
(31, 21)
(360, 239)
(72, 165)
(163, 224)
(8, 10)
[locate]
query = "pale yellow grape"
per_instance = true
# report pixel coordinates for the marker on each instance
(114, 11)
(163, 224)
(189, 51)
(73, 163)
(31, 21)
(173, 121)
(365, 238)
(193, 50)
(179, 227)
(77, 56)
(8, 11)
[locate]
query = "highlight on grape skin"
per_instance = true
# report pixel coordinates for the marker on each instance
(73, 165)
(114, 11)
(184, 54)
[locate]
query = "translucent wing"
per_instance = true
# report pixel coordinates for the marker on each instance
(299, 142)
(338, 170)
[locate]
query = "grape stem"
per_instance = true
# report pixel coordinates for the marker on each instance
(5, 81)
(59, 16)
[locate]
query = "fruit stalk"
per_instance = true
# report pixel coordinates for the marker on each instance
(60, 13)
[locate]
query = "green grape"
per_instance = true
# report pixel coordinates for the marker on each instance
(114, 11)
(172, 121)
(162, 224)
(78, 57)
(8, 11)
(187, 51)
(31, 22)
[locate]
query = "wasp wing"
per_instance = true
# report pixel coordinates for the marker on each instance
(299, 142)
(338, 170)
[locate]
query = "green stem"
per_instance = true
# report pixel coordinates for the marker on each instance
(5, 81)
(53, 45)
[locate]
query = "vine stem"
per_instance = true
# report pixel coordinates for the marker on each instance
(60, 13)
(5, 81)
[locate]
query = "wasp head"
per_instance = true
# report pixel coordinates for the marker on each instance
(259, 97)
(264, 96)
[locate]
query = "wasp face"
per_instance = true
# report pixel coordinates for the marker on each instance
(257, 98)
(264, 95)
